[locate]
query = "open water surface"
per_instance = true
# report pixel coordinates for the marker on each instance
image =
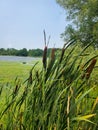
(17, 58)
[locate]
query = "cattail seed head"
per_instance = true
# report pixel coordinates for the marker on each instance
(53, 54)
(45, 57)
(89, 69)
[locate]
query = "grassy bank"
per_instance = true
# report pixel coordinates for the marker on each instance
(10, 70)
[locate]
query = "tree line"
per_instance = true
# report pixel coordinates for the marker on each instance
(21, 52)
(24, 52)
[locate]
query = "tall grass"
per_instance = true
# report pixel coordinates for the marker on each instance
(56, 97)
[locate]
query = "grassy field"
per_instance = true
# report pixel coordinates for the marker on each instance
(10, 70)
(59, 94)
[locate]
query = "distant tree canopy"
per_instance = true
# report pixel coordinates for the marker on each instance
(21, 52)
(83, 19)
(35, 52)
(25, 52)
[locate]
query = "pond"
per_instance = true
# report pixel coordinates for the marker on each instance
(18, 59)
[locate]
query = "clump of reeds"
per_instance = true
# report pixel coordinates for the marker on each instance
(53, 98)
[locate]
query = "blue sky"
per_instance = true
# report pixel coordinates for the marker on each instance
(22, 23)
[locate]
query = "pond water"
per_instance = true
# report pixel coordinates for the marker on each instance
(17, 58)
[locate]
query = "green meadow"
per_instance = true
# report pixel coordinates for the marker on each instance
(56, 93)
(9, 71)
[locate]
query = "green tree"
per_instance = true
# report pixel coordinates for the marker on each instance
(83, 17)
(13, 51)
(2, 51)
(22, 52)
(35, 52)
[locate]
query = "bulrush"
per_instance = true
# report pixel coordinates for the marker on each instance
(89, 69)
(45, 57)
(45, 52)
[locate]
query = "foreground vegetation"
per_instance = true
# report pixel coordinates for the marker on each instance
(61, 95)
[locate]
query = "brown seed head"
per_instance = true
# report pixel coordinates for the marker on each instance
(45, 57)
(89, 69)
(53, 54)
